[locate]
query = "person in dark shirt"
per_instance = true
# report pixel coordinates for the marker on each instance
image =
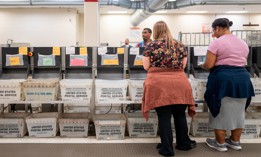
(126, 43)
(146, 34)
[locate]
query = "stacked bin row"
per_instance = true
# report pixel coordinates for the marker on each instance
(107, 126)
(44, 124)
(105, 70)
(42, 84)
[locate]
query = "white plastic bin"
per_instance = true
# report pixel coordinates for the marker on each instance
(108, 109)
(109, 91)
(68, 108)
(200, 126)
(139, 127)
(136, 90)
(13, 124)
(74, 124)
(76, 89)
(42, 124)
(252, 125)
(198, 88)
(254, 108)
(257, 87)
(41, 90)
(109, 126)
(10, 90)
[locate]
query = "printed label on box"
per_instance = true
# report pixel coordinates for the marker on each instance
(137, 94)
(76, 93)
(9, 129)
(74, 128)
(9, 94)
(143, 128)
(111, 93)
(110, 130)
(42, 129)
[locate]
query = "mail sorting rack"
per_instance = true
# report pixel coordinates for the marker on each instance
(46, 62)
(110, 83)
(200, 41)
(256, 60)
(197, 44)
(135, 66)
(249, 65)
(137, 75)
(77, 82)
(14, 63)
(110, 63)
(14, 69)
(46, 69)
(78, 63)
(253, 39)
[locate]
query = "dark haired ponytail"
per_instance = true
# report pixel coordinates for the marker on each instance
(230, 23)
(222, 22)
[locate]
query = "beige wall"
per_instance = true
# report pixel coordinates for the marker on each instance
(115, 28)
(39, 27)
(65, 27)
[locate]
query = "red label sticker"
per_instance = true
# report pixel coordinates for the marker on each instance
(77, 62)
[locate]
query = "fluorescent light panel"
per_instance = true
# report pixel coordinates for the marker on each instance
(161, 12)
(236, 12)
(117, 12)
(172, 0)
(196, 12)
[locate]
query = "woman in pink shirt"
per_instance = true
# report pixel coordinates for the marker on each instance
(229, 88)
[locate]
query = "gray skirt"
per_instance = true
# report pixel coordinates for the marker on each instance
(231, 115)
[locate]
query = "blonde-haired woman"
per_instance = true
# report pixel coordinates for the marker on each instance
(167, 89)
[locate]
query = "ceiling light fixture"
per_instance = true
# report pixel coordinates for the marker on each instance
(196, 12)
(237, 12)
(161, 12)
(117, 12)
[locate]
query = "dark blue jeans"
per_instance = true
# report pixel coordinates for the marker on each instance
(164, 117)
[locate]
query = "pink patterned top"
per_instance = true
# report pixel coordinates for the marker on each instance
(161, 56)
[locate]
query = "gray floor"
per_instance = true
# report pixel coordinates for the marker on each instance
(117, 150)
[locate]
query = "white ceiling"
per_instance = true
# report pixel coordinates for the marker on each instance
(212, 9)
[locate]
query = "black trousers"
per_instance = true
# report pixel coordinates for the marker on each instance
(164, 117)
